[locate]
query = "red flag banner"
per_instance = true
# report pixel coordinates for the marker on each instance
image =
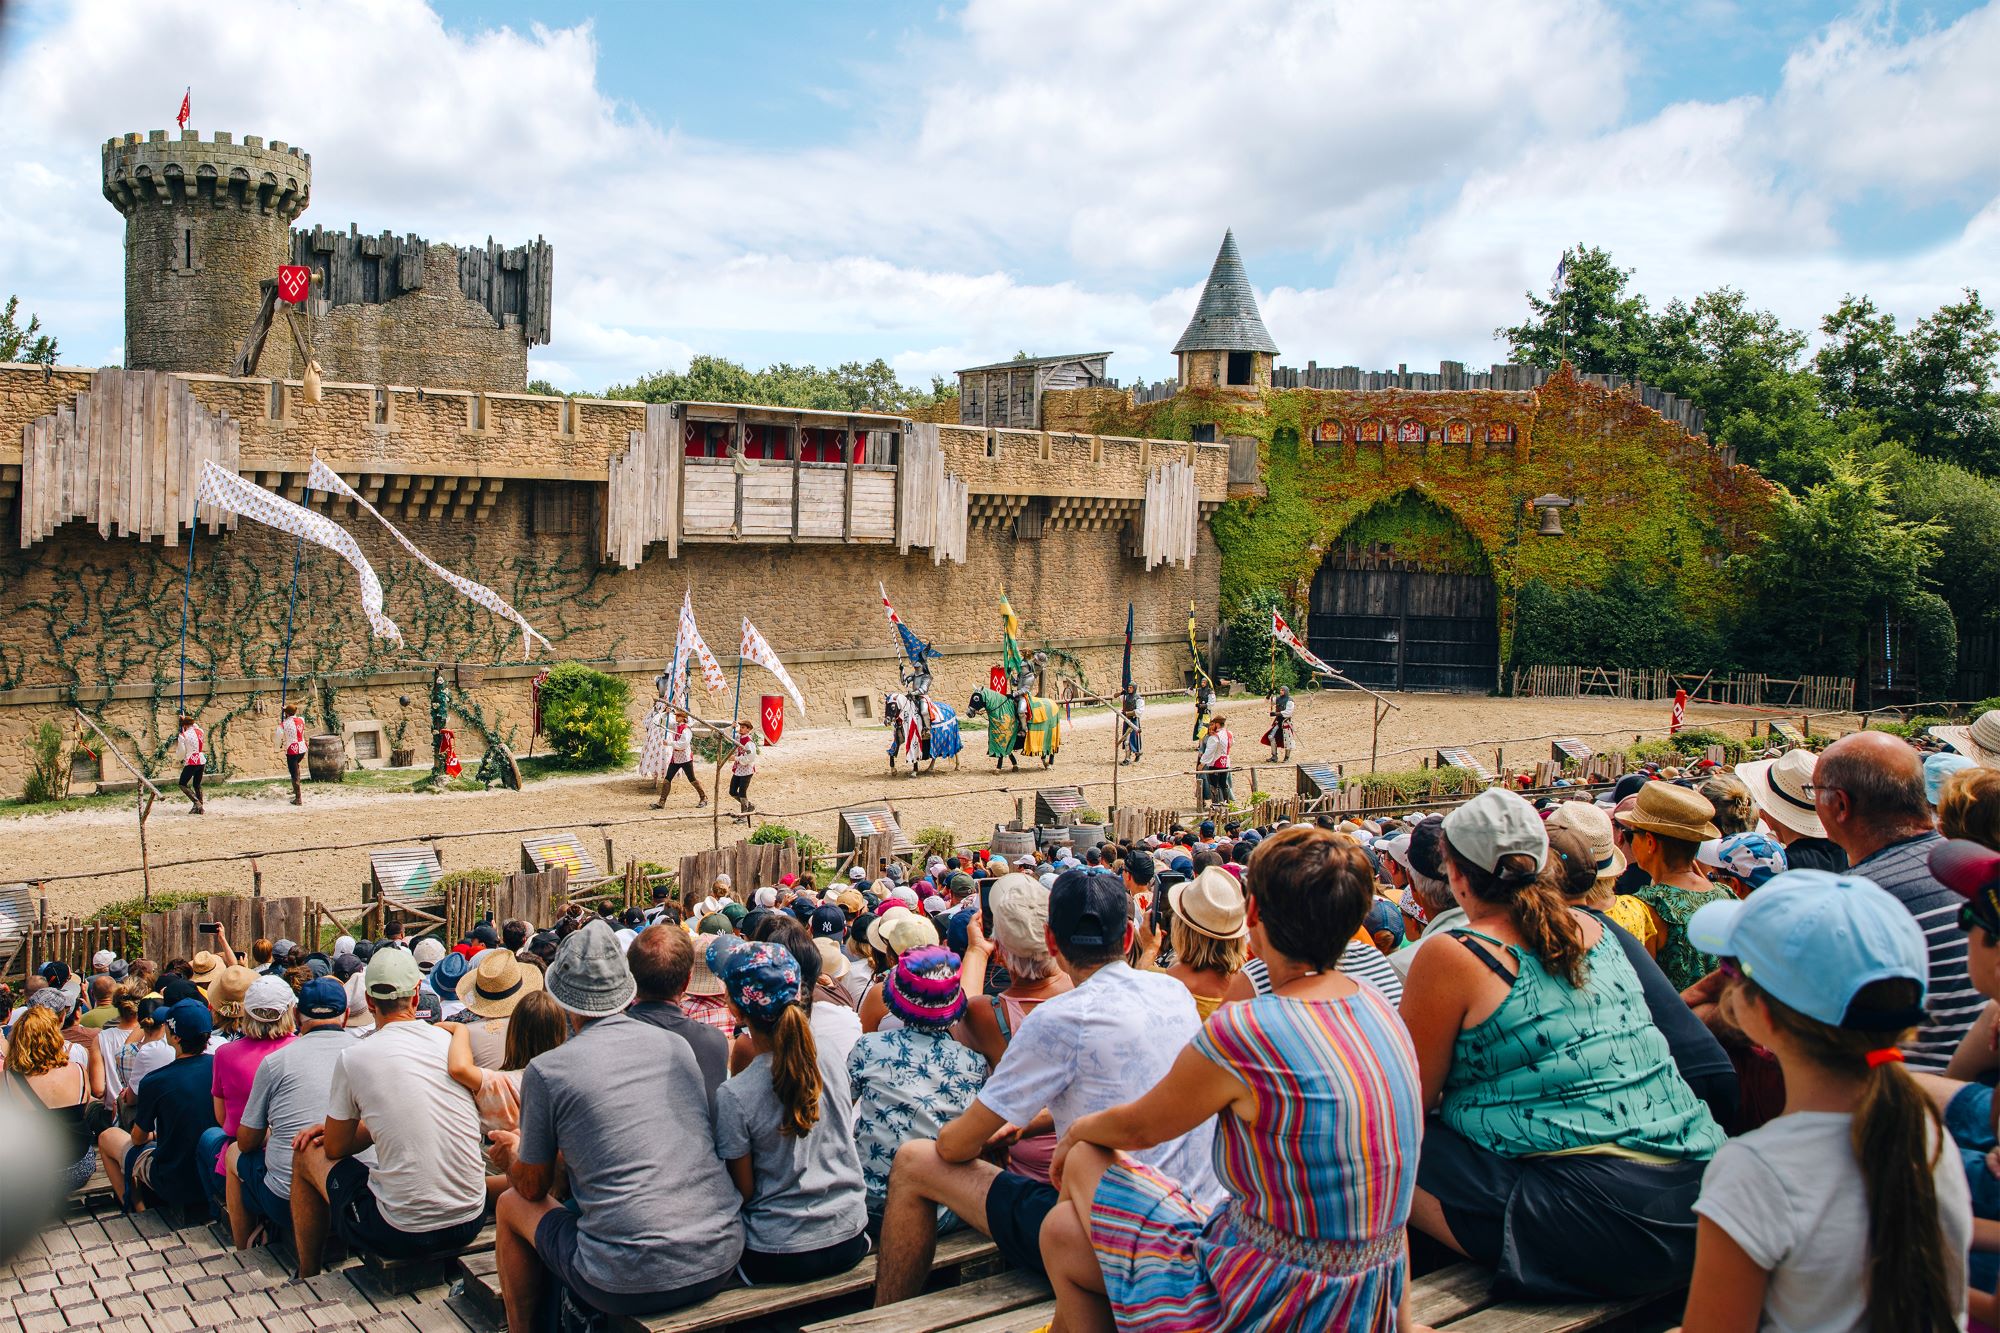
(294, 281)
(1284, 634)
(772, 712)
(187, 109)
(1680, 711)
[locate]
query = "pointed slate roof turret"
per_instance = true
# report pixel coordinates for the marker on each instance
(1227, 318)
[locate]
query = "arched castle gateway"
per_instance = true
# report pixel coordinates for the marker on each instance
(593, 516)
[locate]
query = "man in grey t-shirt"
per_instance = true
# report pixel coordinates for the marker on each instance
(646, 1202)
(289, 1094)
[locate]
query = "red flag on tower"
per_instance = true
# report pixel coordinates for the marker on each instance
(187, 108)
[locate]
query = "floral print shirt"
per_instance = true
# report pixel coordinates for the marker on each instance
(907, 1084)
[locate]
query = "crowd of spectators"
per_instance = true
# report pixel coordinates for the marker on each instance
(1736, 1029)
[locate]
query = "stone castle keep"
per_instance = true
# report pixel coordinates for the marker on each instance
(1396, 512)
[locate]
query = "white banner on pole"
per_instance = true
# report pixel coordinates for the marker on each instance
(323, 478)
(755, 649)
(228, 492)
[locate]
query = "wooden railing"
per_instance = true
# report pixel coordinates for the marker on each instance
(1819, 694)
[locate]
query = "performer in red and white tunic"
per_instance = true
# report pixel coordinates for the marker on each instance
(680, 759)
(743, 767)
(1216, 784)
(292, 741)
(192, 747)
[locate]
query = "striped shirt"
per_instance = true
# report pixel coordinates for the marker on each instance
(1360, 960)
(1951, 1004)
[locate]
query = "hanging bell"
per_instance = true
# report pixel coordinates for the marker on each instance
(1552, 524)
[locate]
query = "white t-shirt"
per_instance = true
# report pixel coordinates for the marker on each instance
(1791, 1195)
(835, 1029)
(1100, 1045)
(110, 1041)
(428, 1171)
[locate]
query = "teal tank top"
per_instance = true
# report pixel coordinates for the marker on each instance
(1558, 1068)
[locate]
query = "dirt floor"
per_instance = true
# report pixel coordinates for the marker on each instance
(802, 781)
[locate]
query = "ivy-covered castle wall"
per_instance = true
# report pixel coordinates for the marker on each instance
(1444, 480)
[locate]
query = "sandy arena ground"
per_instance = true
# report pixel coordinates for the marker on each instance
(801, 780)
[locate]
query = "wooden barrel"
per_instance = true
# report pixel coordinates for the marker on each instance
(1013, 844)
(1084, 836)
(326, 757)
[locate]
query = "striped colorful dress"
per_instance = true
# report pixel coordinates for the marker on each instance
(1319, 1183)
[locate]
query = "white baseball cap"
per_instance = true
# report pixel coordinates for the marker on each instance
(103, 958)
(428, 953)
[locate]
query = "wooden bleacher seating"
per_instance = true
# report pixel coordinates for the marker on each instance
(1457, 1298)
(403, 1273)
(738, 1304)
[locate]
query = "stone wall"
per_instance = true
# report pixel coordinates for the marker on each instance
(81, 618)
(430, 336)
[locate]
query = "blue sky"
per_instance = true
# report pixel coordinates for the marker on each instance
(943, 184)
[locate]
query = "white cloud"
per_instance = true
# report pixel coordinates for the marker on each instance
(1040, 174)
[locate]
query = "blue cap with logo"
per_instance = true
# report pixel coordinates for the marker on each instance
(1812, 940)
(322, 997)
(189, 1018)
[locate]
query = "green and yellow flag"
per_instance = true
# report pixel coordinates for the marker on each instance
(1010, 632)
(1194, 646)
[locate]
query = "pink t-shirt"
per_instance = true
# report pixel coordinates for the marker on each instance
(235, 1070)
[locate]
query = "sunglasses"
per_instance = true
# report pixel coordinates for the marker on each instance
(1970, 915)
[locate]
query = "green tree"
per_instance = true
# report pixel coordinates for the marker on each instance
(544, 388)
(24, 344)
(1943, 403)
(853, 386)
(1744, 368)
(1966, 508)
(1835, 557)
(1248, 654)
(1856, 361)
(1590, 320)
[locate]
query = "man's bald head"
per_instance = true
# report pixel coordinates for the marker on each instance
(1869, 787)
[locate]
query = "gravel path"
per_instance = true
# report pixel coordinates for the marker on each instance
(801, 779)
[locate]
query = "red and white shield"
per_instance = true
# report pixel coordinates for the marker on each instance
(996, 677)
(294, 281)
(773, 715)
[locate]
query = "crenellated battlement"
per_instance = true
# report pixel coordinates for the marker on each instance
(158, 168)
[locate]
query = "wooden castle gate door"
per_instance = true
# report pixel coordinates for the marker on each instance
(1393, 626)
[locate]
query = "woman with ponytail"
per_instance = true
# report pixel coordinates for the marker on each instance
(1845, 1212)
(1559, 1112)
(784, 1126)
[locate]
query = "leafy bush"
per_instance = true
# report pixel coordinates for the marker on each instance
(477, 876)
(936, 840)
(1626, 623)
(1928, 620)
(1247, 650)
(811, 849)
(1408, 785)
(127, 911)
(46, 758)
(583, 715)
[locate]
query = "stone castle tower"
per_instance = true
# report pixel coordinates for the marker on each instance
(205, 222)
(1226, 344)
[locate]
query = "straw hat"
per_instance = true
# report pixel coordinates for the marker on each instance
(1212, 904)
(498, 984)
(1979, 742)
(1587, 819)
(1671, 812)
(701, 981)
(832, 961)
(207, 967)
(1782, 788)
(226, 992)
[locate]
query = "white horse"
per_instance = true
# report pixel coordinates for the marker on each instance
(922, 730)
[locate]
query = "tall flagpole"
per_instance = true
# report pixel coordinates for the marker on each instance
(187, 590)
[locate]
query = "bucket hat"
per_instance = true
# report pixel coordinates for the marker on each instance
(589, 977)
(1020, 915)
(1594, 825)
(924, 988)
(761, 979)
(701, 981)
(1754, 858)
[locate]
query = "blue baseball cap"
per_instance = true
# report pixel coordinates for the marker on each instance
(322, 997)
(189, 1018)
(1812, 940)
(761, 978)
(1938, 767)
(828, 923)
